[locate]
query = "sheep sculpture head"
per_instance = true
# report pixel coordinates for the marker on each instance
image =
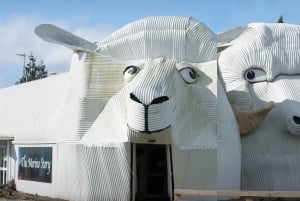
(163, 63)
(260, 71)
(163, 69)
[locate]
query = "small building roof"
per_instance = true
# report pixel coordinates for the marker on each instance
(30, 111)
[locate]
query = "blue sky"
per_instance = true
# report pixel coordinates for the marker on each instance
(93, 20)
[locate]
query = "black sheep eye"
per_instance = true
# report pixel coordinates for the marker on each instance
(250, 74)
(130, 72)
(189, 75)
(255, 75)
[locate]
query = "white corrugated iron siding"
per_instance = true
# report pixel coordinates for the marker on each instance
(91, 114)
(94, 80)
(270, 153)
(29, 111)
(179, 38)
(94, 173)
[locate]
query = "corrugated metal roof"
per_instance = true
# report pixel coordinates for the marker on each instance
(28, 111)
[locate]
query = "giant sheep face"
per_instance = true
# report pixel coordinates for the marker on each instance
(165, 62)
(261, 69)
(151, 93)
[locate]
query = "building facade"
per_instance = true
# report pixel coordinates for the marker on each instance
(134, 118)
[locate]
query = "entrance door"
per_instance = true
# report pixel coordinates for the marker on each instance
(3, 164)
(152, 173)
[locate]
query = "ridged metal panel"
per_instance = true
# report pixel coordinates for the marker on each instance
(194, 167)
(66, 105)
(109, 175)
(136, 116)
(205, 94)
(100, 78)
(159, 116)
(29, 111)
(158, 37)
(71, 174)
(94, 173)
(229, 143)
(269, 153)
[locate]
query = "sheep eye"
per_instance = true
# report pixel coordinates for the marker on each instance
(130, 72)
(189, 75)
(255, 75)
(250, 75)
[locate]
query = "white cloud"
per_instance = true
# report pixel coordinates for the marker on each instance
(17, 36)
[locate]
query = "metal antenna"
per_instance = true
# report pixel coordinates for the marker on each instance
(32, 71)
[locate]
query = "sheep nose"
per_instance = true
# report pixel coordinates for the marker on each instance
(134, 98)
(296, 120)
(159, 100)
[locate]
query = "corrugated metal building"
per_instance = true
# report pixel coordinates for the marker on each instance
(132, 120)
(270, 52)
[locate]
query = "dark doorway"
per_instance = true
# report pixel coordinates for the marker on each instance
(152, 173)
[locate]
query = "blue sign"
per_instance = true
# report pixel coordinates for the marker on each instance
(35, 164)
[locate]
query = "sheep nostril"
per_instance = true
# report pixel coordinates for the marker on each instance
(159, 100)
(134, 98)
(296, 119)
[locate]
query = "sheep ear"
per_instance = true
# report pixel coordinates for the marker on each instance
(54, 34)
(250, 120)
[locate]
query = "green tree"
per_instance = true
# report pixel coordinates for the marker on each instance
(280, 19)
(32, 71)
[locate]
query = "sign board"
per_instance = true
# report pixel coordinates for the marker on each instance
(35, 164)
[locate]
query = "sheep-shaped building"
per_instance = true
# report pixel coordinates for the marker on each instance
(260, 71)
(135, 118)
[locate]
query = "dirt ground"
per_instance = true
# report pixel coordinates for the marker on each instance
(8, 192)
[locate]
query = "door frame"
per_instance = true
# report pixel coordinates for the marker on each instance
(169, 169)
